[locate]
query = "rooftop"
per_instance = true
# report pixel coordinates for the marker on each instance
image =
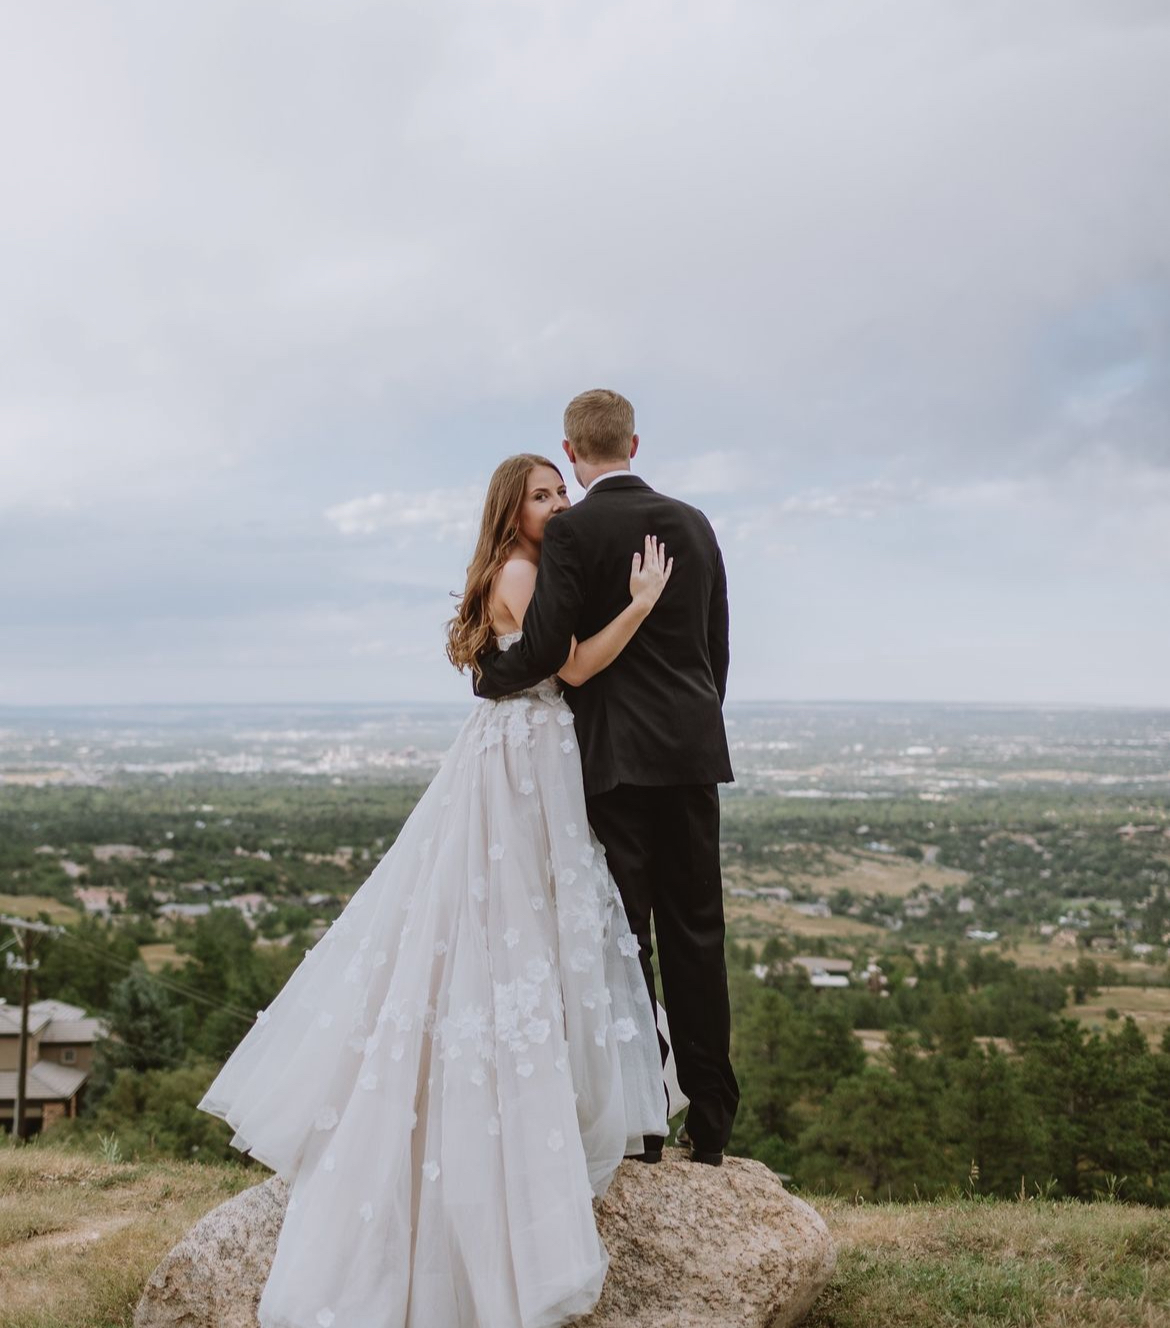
(45, 1081)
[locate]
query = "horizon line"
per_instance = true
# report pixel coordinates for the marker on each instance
(810, 701)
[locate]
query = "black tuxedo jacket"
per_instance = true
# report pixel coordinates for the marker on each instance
(655, 715)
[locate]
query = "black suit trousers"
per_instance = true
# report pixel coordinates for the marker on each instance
(662, 844)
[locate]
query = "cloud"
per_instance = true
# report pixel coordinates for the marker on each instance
(438, 513)
(856, 502)
(709, 473)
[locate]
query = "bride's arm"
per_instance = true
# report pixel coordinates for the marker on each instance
(650, 574)
(651, 570)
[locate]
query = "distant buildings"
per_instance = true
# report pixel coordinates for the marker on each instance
(99, 901)
(261, 854)
(822, 971)
(777, 894)
(341, 857)
(201, 887)
(819, 909)
(875, 980)
(183, 912)
(117, 852)
(252, 906)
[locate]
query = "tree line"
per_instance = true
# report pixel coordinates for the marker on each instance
(1048, 1107)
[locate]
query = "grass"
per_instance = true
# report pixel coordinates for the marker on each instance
(156, 955)
(32, 906)
(886, 874)
(1148, 1006)
(79, 1237)
(863, 873)
(757, 919)
(1040, 954)
(980, 1263)
(866, 874)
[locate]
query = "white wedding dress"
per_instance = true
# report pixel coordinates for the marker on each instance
(457, 1068)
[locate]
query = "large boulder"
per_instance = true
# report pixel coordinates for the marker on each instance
(690, 1247)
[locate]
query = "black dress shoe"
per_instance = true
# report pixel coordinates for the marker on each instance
(652, 1146)
(712, 1157)
(708, 1159)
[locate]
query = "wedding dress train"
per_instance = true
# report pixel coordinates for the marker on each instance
(457, 1068)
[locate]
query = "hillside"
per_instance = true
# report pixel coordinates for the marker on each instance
(78, 1237)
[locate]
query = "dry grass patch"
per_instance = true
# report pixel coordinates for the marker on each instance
(79, 1237)
(1149, 1007)
(757, 919)
(886, 874)
(32, 906)
(864, 873)
(158, 954)
(1040, 954)
(875, 1042)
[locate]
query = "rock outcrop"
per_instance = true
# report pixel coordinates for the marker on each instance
(690, 1247)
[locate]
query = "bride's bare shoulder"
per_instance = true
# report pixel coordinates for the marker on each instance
(511, 591)
(516, 574)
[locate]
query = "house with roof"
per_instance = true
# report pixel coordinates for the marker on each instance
(822, 971)
(252, 906)
(99, 901)
(61, 1040)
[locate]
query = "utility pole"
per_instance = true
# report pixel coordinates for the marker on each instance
(25, 967)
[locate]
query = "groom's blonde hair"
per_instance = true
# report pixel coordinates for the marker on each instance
(600, 425)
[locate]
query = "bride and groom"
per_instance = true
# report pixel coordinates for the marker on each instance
(455, 1071)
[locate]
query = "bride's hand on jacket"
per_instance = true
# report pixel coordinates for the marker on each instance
(650, 574)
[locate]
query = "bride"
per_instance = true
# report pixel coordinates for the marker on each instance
(457, 1068)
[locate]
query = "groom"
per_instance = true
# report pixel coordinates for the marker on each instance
(650, 728)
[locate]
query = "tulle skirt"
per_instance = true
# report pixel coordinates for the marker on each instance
(457, 1068)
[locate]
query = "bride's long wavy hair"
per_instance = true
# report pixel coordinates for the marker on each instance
(470, 631)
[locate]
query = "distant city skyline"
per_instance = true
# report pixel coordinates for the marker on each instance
(844, 751)
(889, 289)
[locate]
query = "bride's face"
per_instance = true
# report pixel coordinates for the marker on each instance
(545, 496)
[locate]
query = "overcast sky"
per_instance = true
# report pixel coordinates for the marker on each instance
(888, 284)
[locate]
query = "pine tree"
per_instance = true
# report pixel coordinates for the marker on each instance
(145, 1033)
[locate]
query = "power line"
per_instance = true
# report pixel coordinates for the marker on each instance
(61, 933)
(168, 983)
